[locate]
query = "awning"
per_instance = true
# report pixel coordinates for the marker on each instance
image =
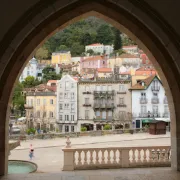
(163, 119)
(147, 120)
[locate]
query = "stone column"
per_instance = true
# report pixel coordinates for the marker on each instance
(102, 127)
(113, 127)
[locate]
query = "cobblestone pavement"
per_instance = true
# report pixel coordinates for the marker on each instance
(49, 155)
(113, 174)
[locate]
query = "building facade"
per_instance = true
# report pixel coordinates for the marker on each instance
(100, 48)
(149, 102)
(131, 49)
(61, 57)
(32, 69)
(67, 104)
(104, 101)
(41, 107)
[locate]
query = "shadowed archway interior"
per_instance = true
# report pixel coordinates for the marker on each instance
(135, 18)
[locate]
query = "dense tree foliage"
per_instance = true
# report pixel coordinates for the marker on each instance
(30, 81)
(76, 36)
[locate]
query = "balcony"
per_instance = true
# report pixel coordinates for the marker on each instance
(104, 106)
(103, 94)
(143, 100)
(100, 119)
(87, 92)
(121, 92)
(155, 88)
(149, 115)
(26, 106)
(121, 105)
(86, 105)
(155, 100)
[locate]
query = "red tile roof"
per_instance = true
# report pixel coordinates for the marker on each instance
(125, 55)
(94, 58)
(95, 44)
(104, 70)
(146, 81)
(52, 81)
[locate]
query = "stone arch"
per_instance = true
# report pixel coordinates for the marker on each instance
(44, 18)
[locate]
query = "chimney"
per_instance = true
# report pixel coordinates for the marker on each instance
(142, 83)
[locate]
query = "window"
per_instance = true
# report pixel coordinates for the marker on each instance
(44, 114)
(66, 117)
(72, 85)
(155, 109)
(60, 96)
(109, 113)
(143, 109)
(66, 106)
(166, 109)
(51, 114)
(60, 117)
(104, 115)
(122, 115)
(109, 88)
(97, 113)
(66, 128)
(72, 128)
(60, 106)
(72, 117)
(65, 95)
(38, 114)
(98, 88)
(72, 95)
(86, 114)
(31, 102)
(86, 100)
(51, 101)
(121, 88)
(60, 85)
(143, 95)
(44, 101)
(103, 62)
(121, 100)
(72, 106)
(104, 88)
(38, 102)
(66, 85)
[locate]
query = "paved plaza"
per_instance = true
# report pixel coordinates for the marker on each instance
(49, 155)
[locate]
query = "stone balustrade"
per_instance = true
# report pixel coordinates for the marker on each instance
(116, 157)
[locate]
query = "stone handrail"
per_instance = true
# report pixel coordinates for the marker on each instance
(116, 157)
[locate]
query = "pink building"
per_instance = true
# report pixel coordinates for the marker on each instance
(94, 62)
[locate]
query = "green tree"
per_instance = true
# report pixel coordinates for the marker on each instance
(117, 39)
(105, 34)
(28, 82)
(42, 53)
(62, 48)
(18, 99)
(90, 51)
(77, 49)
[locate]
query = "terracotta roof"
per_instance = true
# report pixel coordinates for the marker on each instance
(146, 81)
(104, 70)
(128, 72)
(42, 87)
(146, 69)
(96, 44)
(52, 81)
(125, 55)
(94, 58)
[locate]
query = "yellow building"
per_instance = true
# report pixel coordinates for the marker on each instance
(112, 62)
(62, 57)
(41, 107)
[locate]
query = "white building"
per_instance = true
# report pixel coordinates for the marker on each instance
(131, 49)
(100, 48)
(32, 69)
(67, 104)
(149, 102)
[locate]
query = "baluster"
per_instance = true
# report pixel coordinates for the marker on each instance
(114, 157)
(161, 155)
(156, 155)
(145, 157)
(103, 162)
(133, 156)
(79, 158)
(85, 157)
(97, 156)
(139, 155)
(150, 155)
(91, 157)
(120, 158)
(108, 158)
(74, 158)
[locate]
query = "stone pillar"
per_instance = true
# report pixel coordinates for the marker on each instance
(113, 127)
(68, 159)
(102, 127)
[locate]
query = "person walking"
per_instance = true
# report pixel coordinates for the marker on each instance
(31, 152)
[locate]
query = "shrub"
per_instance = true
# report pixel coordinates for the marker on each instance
(83, 128)
(107, 127)
(31, 131)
